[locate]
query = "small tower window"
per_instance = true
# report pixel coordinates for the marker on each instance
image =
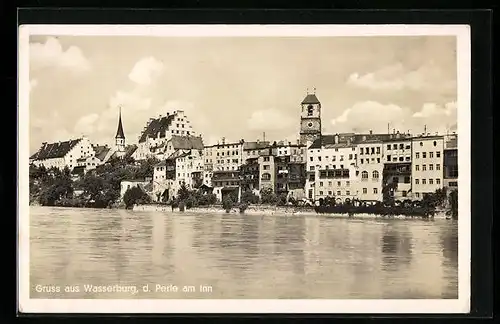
(310, 110)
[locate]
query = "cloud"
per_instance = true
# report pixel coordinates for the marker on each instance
(52, 54)
(428, 77)
(434, 110)
(86, 124)
(33, 84)
(269, 119)
(375, 116)
(146, 70)
(130, 101)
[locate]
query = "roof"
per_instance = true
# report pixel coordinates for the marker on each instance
(255, 145)
(310, 99)
(83, 159)
(34, 156)
(329, 140)
(155, 126)
(101, 151)
(162, 163)
(187, 142)
(56, 150)
(119, 131)
(129, 150)
(177, 154)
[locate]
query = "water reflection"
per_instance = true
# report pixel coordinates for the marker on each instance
(243, 256)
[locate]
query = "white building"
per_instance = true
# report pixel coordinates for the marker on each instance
(158, 131)
(125, 185)
(63, 154)
(427, 167)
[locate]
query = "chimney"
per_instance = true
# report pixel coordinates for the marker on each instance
(371, 132)
(298, 142)
(223, 140)
(336, 138)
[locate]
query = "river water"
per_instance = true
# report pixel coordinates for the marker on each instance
(238, 256)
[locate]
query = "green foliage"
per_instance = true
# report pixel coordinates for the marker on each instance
(248, 197)
(453, 203)
(183, 192)
(135, 195)
(282, 199)
(243, 207)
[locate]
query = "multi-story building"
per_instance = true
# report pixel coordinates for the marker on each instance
(267, 169)
(310, 119)
(251, 149)
(159, 130)
(450, 162)
(397, 172)
(249, 175)
(427, 164)
(184, 166)
(64, 154)
(331, 167)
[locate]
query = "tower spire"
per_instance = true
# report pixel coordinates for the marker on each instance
(119, 131)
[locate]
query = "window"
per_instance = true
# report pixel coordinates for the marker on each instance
(388, 146)
(311, 159)
(329, 183)
(407, 147)
(417, 181)
(401, 146)
(438, 181)
(394, 159)
(431, 155)
(424, 167)
(338, 193)
(338, 183)
(367, 150)
(375, 174)
(266, 159)
(431, 167)
(347, 183)
(311, 168)
(405, 193)
(333, 158)
(395, 146)
(361, 151)
(401, 159)
(365, 191)
(267, 167)
(438, 154)
(417, 167)
(350, 156)
(364, 175)
(395, 179)
(348, 193)
(424, 181)
(417, 155)
(310, 110)
(388, 158)
(417, 194)
(321, 183)
(361, 161)
(372, 150)
(421, 144)
(431, 181)
(434, 143)
(329, 193)
(438, 167)
(378, 150)
(424, 155)
(375, 191)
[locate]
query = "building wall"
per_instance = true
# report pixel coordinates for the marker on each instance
(370, 153)
(125, 185)
(83, 149)
(369, 181)
(224, 156)
(397, 151)
(427, 168)
(267, 172)
(339, 187)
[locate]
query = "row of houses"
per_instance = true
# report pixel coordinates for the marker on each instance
(344, 166)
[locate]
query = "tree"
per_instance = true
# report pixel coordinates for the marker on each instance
(183, 192)
(135, 195)
(453, 201)
(267, 196)
(249, 197)
(227, 204)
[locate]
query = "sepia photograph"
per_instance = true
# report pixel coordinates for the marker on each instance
(245, 168)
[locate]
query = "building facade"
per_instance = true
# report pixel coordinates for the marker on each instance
(427, 164)
(64, 154)
(450, 162)
(310, 119)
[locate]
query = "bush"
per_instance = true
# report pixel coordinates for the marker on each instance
(227, 204)
(135, 195)
(267, 196)
(243, 207)
(249, 197)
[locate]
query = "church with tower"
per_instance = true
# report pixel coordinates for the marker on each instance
(120, 137)
(310, 119)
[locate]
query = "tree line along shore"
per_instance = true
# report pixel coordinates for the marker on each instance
(100, 188)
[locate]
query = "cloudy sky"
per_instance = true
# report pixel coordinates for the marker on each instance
(239, 87)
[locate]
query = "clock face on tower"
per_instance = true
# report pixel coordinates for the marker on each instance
(309, 124)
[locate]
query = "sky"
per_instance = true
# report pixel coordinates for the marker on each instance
(239, 87)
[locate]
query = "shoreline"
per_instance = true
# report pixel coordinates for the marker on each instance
(276, 211)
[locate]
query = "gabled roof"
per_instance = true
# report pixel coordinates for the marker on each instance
(329, 140)
(255, 145)
(162, 163)
(310, 99)
(178, 154)
(155, 126)
(56, 150)
(34, 156)
(129, 150)
(187, 142)
(101, 151)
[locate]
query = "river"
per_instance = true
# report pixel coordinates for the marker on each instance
(239, 256)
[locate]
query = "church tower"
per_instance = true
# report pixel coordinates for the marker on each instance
(120, 136)
(310, 118)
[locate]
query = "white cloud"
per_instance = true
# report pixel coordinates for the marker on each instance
(86, 124)
(375, 116)
(51, 53)
(269, 119)
(130, 101)
(434, 110)
(428, 77)
(146, 70)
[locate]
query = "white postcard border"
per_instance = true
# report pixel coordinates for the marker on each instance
(460, 305)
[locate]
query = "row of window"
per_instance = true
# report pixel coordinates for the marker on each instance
(365, 191)
(339, 183)
(227, 153)
(368, 160)
(431, 181)
(375, 175)
(400, 159)
(431, 167)
(312, 168)
(369, 150)
(400, 146)
(351, 157)
(424, 155)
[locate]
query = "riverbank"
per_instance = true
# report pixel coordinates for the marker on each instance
(273, 211)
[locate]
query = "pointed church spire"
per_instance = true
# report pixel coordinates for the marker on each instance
(119, 132)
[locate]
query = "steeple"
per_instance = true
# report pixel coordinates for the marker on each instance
(120, 136)
(119, 132)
